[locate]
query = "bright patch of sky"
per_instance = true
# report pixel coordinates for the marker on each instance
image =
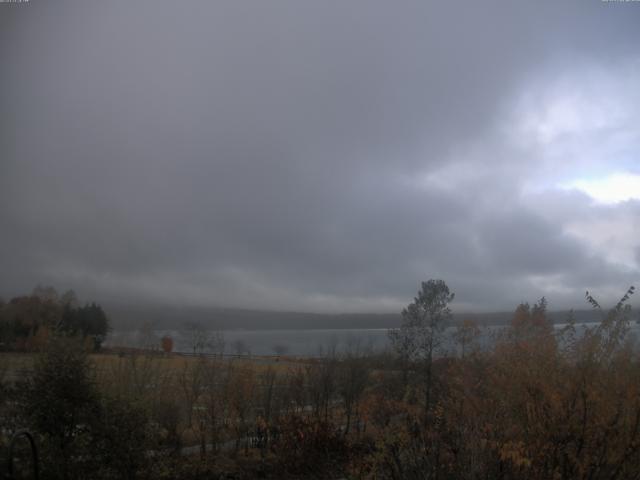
(610, 189)
(580, 131)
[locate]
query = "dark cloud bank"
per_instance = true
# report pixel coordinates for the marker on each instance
(318, 156)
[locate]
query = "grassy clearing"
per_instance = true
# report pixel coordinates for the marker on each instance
(25, 360)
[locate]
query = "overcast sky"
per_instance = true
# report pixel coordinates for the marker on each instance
(323, 156)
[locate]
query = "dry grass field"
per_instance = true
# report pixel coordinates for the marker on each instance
(15, 365)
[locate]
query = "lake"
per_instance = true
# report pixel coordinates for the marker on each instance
(308, 342)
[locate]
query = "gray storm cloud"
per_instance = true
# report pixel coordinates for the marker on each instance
(323, 156)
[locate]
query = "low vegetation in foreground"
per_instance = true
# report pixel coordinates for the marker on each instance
(535, 403)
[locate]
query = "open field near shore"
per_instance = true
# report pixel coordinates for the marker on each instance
(14, 366)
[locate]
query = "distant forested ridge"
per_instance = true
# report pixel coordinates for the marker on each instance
(27, 321)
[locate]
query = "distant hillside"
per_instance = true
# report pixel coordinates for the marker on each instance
(171, 317)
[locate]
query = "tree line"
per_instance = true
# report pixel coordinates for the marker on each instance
(27, 322)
